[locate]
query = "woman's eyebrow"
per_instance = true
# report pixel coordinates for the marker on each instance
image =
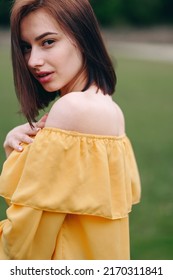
(40, 37)
(44, 35)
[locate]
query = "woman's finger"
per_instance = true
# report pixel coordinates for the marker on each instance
(24, 138)
(41, 122)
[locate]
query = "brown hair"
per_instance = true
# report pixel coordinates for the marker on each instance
(77, 19)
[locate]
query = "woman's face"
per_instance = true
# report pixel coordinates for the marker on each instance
(51, 56)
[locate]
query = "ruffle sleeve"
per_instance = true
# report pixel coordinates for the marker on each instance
(70, 172)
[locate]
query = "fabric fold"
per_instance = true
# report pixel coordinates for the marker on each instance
(71, 172)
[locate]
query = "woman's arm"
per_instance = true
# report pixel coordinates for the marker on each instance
(22, 134)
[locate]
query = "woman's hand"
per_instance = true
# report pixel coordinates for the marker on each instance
(22, 134)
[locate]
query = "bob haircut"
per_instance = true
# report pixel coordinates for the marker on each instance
(76, 18)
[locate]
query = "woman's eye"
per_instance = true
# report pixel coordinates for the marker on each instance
(48, 42)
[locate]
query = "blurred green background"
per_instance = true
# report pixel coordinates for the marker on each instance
(121, 12)
(144, 92)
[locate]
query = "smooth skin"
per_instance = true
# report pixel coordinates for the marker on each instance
(48, 50)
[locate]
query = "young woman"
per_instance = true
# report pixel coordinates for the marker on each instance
(70, 191)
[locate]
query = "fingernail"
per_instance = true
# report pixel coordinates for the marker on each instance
(36, 128)
(19, 148)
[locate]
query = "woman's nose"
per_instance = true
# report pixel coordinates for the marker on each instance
(35, 59)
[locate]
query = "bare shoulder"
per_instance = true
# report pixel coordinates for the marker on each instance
(66, 111)
(121, 119)
(92, 113)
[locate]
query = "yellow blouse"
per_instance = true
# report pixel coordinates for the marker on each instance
(69, 197)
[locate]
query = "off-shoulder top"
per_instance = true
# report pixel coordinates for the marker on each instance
(72, 173)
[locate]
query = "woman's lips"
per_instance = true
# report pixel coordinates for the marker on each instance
(44, 77)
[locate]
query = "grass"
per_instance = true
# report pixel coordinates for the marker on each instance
(144, 92)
